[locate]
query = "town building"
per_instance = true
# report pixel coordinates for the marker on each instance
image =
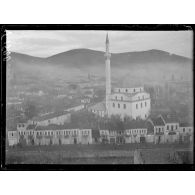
(186, 132)
(136, 132)
(58, 118)
(171, 128)
(158, 129)
(49, 135)
(131, 102)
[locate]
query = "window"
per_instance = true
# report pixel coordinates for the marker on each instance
(48, 121)
(126, 90)
(172, 127)
(175, 126)
(189, 130)
(118, 105)
(134, 90)
(124, 106)
(12, 134)
(145, 116)
(19, 125)
(121, 98)
(138, 98)
(113, 104)
(49, 133)
(142, 96)
(136, 106)
(183, 129)
(167, 127)
(141, 104)
(116, 97)
(119, 90)
(145, 104)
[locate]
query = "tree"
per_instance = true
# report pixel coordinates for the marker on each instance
(30, 110)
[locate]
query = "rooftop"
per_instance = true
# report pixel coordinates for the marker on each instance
(50, 116)
(101, 106)
(57, 127)
(170, 118)
(157, 121)
(29, 127)
(136, 124)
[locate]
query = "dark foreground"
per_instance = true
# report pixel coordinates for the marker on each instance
(93, 154)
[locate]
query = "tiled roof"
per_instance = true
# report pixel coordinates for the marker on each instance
(157, 121)
(185, 124)
(136, 125)
(29, 127)
(101, 106)
(50, 116)
(57, 127)
(170, 118)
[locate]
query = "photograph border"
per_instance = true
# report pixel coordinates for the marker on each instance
(81, 167)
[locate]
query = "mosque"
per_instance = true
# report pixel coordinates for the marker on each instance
(131, 102)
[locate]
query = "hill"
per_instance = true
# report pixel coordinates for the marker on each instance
(142, 64)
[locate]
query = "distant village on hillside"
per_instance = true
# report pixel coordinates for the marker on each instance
(94, 109)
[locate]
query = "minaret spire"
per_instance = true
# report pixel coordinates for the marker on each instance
(108, 80)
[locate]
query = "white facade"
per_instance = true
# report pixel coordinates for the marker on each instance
(126, 102)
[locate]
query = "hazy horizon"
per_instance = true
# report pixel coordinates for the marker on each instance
(46, 43)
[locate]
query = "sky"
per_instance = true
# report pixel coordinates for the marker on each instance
(50, 42)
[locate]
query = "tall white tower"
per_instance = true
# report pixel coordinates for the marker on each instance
(108, 80)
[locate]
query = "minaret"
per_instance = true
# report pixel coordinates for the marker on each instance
(108, 82)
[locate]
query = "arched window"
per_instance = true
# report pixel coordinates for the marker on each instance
(113, 104)
(118, 105)
(124, 106)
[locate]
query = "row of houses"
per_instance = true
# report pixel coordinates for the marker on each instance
(160, 129)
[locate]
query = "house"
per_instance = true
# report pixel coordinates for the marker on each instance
(58, 118)
(85, 100)
(186, 132)
(104, 136)
(12, 137)
(98, 109)
(62, 134)
(135, 132)
(171, 129)
(158, 127)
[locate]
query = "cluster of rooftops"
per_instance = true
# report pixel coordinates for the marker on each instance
(160, 120)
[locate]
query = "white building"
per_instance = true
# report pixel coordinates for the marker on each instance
(186, 132)
(50, 135)
(171, 128)
(158, 129)
(132, 102)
